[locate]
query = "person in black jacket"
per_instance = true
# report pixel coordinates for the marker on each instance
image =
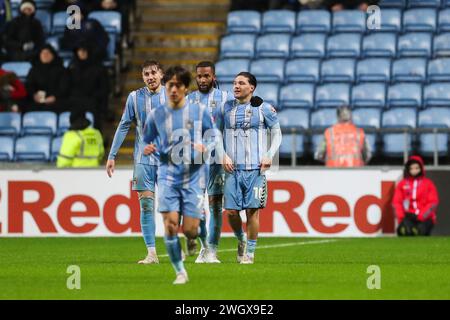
(47, 82)
(89, 87)
(24, 35)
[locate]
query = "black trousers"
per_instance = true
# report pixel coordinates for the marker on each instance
(410, 226)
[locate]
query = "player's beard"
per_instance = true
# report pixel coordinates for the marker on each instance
(205, 90)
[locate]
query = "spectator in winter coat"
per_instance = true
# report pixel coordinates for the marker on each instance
(415, 200)
(12, 91)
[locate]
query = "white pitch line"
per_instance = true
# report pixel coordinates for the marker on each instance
(289, 244)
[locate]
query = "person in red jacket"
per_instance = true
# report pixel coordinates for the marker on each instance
(415, 200)
(12, 91)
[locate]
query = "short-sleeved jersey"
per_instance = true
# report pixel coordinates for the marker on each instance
(215, 99)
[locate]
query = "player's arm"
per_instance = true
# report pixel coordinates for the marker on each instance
(121, 132)
(271, 120)
(69, 147)
(150, 133)
(221, 155)
(366, 151)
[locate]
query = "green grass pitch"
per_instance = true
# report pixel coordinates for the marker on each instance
(285, 268)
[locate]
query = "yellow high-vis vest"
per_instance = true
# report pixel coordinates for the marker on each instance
(81, 149)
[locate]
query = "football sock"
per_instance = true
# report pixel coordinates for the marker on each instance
(251, 247)
(174, 250)
(215, 224)
(148, 220)
(202, 234)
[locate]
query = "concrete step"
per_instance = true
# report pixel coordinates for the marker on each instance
(168, 3)
(188, 64)
(172, 53)
(202, 27)
(170, 15)
(145, 40)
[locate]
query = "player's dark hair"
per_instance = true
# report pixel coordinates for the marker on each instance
(250, 77)
(151, 63)
(180, 73)
(206, 64)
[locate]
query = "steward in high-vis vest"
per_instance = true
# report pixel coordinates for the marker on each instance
(82, 146)
(344, 145)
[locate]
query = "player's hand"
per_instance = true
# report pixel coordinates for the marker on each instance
(199, 147)
(265, 163)
(149, 149)
(228, 164)
(110, 164)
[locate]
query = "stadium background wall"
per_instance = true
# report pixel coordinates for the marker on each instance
(304, 202)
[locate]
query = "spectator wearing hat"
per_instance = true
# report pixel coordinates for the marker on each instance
(24, 35)
(82, 145)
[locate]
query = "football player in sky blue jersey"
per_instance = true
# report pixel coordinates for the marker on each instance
(214, 99)
(178, 129)
(139, 103)
(245, 126)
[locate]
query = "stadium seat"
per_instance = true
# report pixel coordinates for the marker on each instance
(414, 44)
(59, 22)
(39, 122)
(394, 144)
(338, 70)
(10, 123)
(391, 20)
(226, 70)
(64, 121)
(308, 45)
(279, 21)
(344, 45)
(323, 118)
(226, 86)
(244, 21)
(268, 70)
(313, 21)
(286, 145)
(399, 118)
(349, 21)
(444, 20)
(238, 46)
(434, 117)
(110, 20)
(20, 68)
(409, 69)
(379, 45)
(6, 148)
(33, 148)
(405, 95)
(56, 145)
(369, 95)
(373, 69)
(64, 54)
(427, 144)
(441, 45)
(303, 70)
(46, 20)
(110, 51)
(269, 92)
(424, 3)
(297, 95)
(273, 46)
(392, 4)
(367, 117)
(436, 95)
(294, 118)
(316, 139)
(439, 69)
(332, 95)
(419, 20)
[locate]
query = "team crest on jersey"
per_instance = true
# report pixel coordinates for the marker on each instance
(189, 124)
(213, 104)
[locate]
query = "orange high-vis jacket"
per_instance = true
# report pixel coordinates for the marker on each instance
(344, 145)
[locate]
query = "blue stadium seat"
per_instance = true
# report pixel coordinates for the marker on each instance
(294, 118)
(349, 21)
(367, 117)
(323, 118)
(373, 69)
(344, 45)
(303, 70)
(238, 46)
(419, 20)
(226, 86)
(279, 21)
(436, 95)
(39, 122)
(405, 95)
(110, 51)
(268, 70)
(394, 144)
(441, 45)
(110, 20)
(391, 20)
(316, 139)
(424, 3)
(273, 46)
(33, 148)
(399, 118)
(409, 69)
(244, 21)
(414, 44)
(10, 123)
(297, 95)
(269, 92)
(226, 70)
(332, 95)
(6, 148)
(286, 145)
(64, 54)
(379, 45)
(392, 4)
(427, 144)
(338, 70)
(20, 68)
(439, 70)
(56, 145)
(314, 21)
(434, 118)
(368, 95)
(64, 121)
(45, 18)
(59, 22)
(308, 45)
(444, 20)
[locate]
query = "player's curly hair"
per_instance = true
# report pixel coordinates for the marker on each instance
(180, 73)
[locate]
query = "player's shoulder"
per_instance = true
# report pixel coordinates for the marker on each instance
(268, 108)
